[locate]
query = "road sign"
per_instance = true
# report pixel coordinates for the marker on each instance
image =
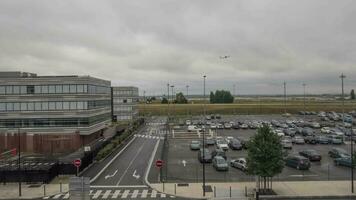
(159, 163)
(77, 162)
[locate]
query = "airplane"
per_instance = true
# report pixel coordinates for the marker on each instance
(224, 57)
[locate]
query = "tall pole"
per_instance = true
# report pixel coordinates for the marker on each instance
(304, 99)
(234, 92)
(352, 160)
(144, 102)
(285, 97)
(172, 87)
(204, 139)
(343, 98)
(168, 101)
(19, 160)
(187, 99)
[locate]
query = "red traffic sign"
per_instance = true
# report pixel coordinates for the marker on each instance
(159, 163)
(77, 162)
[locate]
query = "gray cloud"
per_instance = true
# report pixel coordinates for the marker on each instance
(150, 43)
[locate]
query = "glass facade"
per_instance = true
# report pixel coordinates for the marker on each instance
(53, 122)
(53, 89)
(53, 105)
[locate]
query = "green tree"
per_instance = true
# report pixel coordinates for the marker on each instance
(180, 98)
(221, 96)
(352, 94)
(164, 100)
(265, 155)
(212, 97)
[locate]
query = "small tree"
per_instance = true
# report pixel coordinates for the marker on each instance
(212, 97)
(265, 155)
(352, 94)
(164, 100)
(180, 98)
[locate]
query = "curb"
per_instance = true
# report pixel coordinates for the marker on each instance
(262, 197)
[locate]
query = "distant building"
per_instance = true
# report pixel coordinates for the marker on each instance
(54, 114)
(125, 101)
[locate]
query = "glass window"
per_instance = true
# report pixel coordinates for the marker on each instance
(80, 88)
(59, 105)
(2, 106)
(2, 90)
(85, 105)
(59, 89)
(45, 105)
(52, 89)
(23, 106)
(73, 89)
(30, 106)
(44, 89)
(9, 106)
(65, 88)
(85, 88)
(16, 106)
(73, 105)
(80, 105)
(66, 105)
(16, 89)
(30, 89)
(52, 105)
(37, 89)
(9, 89)
(38, 106)
(23, 89)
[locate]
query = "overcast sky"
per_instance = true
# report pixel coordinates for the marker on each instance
(150, 43)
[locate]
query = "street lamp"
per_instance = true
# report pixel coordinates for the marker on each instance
(285, 97)
(172, 87)
(204, 77)
(304, 98)
(187, 87)
(19, 160)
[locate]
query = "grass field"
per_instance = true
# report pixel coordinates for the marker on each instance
(246, 107)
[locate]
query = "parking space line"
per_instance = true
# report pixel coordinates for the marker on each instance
(125, 194)
(116, 194)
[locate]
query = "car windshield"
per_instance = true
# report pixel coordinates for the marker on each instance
(220, 161)
(195, 142)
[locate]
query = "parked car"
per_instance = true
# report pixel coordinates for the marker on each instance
(298, 162)
(343, 161)
(286, 143)
(243, 142)
(239, 163)
(207, 157)
(227, 125)
(218, 116)
(325, 130)
(188, 122)
(307, 131)
(335, 139)
(311, 139)
(311, 154)
(338, 153)
(220, 126)
(222, 145)
(289, 132)
(219, 152)
(220, 164)
(235, 144)
(195, 145)
(298, 140)
(193, 128)
(244, 126)
(236, 126)
(209, 141)
(322, 140)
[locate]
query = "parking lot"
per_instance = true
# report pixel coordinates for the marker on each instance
(183, 164)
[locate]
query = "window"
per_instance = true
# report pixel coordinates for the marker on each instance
(85, 88)
(52, 89)
(52, 105)
(73, 105)
(30, 106)
(16, 89)
(9, 106)
(2, 90)
(23, 106)
(23, 89)
(38, 89)
(16, 106)
(65, 105)
(65, 88)
(9, 89)
(59, 89)
(125, 101)
(44, 89)
(59, 105)
(80, 105)
(45, 105)
(2, 106)
(30, 89)
(80, 88)
(38, 106)
(85, 105)
(73, 89)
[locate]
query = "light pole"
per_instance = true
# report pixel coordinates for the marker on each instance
(343, 98)
(144, 103)
(172, 87)
(187, 87)
(19, 160)
(285, 98)
(204, 112)
(304, 98)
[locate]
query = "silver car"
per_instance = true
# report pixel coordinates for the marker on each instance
(239, 163)
(220, 164)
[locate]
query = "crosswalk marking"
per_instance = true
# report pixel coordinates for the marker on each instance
(66, 196)
(144, 193)
(134, 194)
(116, 194)
(163, 195)
(149, 137)
(57, 196)
(153, 194)
(106, 194)
(125, 194)
(97, 194)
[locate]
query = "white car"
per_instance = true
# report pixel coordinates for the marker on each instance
(244, 126)
(239, 163)
(193, 128)
(213, 126)
(315, 125)
(325, 130)
(222, 145)
(229, 138)
(188, 122)
(227, 125)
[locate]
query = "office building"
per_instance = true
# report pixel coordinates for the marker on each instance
(53, 114)
(125, 102)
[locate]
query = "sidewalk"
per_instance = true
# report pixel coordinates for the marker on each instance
(297, 188)
(11, 190)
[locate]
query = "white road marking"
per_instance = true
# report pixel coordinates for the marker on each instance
(116, 194)
(106, 194)
(137, 176)
(301, 175)
(144, 193)
(125, 194)
(150, 162)
(97, 194)
(57, 196)
(163, 195)
(134, 194)
(153, 194)
(184, 162)
(110, 176)
(118, 186)
(66, 196)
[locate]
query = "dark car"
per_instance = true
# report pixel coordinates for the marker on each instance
(219, 152)
(236, 126)
(344, 161)
(243, 142)
(235, 144)
(207, 157)
(311, 139)
(298, 162)
(298, 130)
(289, 132)
(311, 154)
(307, 131)
(338, 153)
(209, 141)
(322, 140)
